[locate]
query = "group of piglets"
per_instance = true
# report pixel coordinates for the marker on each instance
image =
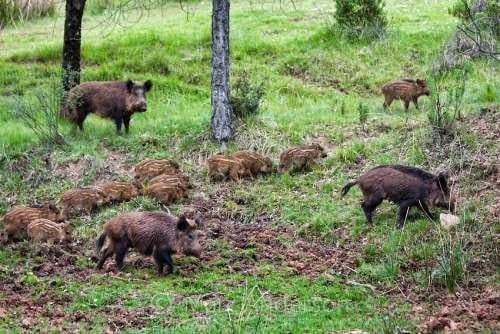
(250, 164)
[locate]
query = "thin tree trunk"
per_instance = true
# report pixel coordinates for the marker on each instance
(222, 113)
(72, 41)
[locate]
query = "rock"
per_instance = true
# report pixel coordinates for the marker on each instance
(448, 220)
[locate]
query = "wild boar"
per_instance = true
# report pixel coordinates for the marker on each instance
(301, 157)
(45, 230)
(149, 168)
(404, 185)
(149, 233)
(255, 163)
(85, 199)
(116, 100)
(18, 219)
(120, 191)
(407, 90)
(221, 167)
(176, 180)
(165, 193)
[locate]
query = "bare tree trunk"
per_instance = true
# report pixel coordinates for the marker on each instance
(222, 113)
(72, 41)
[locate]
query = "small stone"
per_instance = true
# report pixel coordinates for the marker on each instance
(448, 220)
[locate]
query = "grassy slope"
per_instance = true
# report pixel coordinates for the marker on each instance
(300, 60)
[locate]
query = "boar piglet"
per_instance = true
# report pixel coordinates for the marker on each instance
(150, 168)
(120, 191)
(255, 163)
(17, 219)
(301, 157)
(404, 185)
(166, 193)
(178, 180)
(149, 233)
(221, 167)
(116, 100)
(85, 199)
(407, 90)
(45, 230)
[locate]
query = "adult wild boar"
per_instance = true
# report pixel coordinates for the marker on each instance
(116, 100)
(155, 233)
(407, 90)
(404, 185)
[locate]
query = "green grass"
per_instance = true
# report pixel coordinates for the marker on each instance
(314, 83)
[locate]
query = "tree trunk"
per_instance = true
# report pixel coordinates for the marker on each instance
(72, 41)
(222, 113)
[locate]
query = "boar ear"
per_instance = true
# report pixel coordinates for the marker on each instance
(130, 85)
(52, 207)
(148, 85)
(182, 223)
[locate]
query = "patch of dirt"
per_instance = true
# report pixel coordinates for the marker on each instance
(74, 169)
(486, 124)
(303, 75)
(324, 141)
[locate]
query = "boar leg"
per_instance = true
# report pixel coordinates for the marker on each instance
(369, 204)
(126, 122)
(121, 248)
(422, 206)
(163, 257)
(415, 102)
(387, 102)
(107, 253)
(407, 105)
(118, 123)
(403, 210)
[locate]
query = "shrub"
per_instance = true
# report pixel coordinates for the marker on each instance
(363, 114)
(23, 10)
(40, 113)
(246, 97)
(451, 267)
(361, 18)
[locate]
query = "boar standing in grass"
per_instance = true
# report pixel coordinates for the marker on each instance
(221, 167)
(149, 233)
(85, 199)
(44, 230)
(149, 168)
(120, 191)
(179, 180)
(17, 220)
(117, 100)
(165, 193)
(301, 158)
(255, 163)
(404, 185)
(407, 90)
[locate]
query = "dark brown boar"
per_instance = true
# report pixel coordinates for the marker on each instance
(175, 180)
(45, 230)
(255, 163)
(407, 90)
(221, 167)
(85, 199)
(116, 100)
(149, 168)
(300, 158)
(165, 193)
(17, 219)
(120, 191)
(149, 233)
(404, 185)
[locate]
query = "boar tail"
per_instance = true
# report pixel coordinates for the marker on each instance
(100, 242)
(347, 187)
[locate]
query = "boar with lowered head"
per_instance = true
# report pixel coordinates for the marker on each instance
(149, 168)
(178, 180)
(301, 157)
(255, 163)
(404, 185)
(120, 191)
(117, 100)
(149, 233)
(165, 193)
(221, 167)
(18, 219)
(85, 199)
(407, 90)
(45, 230)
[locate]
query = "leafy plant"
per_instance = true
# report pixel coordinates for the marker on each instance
(246, 97)
(363, 114)
(361, 18)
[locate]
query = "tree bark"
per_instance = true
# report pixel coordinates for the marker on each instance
(222, 113)
(72, 42)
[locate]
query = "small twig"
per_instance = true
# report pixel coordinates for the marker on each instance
(364, 285)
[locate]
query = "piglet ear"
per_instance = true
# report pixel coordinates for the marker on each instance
(148, 85)
(182, 223)
(130, 85)
(53, 207)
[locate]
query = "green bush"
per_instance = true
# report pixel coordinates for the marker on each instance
(361, 18)
(246, 97)
(21, 10)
